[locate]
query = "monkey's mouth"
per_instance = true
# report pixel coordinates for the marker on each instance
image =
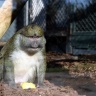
(32, 51)
(33, 48)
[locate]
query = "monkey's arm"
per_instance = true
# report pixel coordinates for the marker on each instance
(41, 70)
(8, 72)
(1, 67)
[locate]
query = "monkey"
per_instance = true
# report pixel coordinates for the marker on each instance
(23, 57)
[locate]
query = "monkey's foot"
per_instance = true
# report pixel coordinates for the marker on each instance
(14, 86)
(41, 86)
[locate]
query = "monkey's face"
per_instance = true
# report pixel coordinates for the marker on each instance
(32, 39)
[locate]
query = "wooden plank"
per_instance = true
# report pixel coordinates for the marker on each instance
(84, 52)
(69, 48)
(8, 12)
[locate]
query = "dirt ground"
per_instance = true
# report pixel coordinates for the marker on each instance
(74, 78)
(57, 84)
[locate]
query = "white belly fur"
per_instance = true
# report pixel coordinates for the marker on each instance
(24, 65)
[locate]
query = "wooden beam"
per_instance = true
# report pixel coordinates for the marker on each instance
(8, 11)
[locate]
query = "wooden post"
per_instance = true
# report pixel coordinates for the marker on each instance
(8, 11)
(69, 48)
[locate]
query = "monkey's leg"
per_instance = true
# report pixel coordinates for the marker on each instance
(1, 68)
(41, 74)
(32, 74)
(1, 72)
(8, 72)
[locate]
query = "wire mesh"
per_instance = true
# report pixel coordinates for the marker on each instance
(86, 25)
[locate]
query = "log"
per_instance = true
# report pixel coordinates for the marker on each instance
(8, 12)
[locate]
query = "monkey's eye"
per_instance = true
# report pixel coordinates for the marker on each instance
(38, 36)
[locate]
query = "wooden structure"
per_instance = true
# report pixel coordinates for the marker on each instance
(66, 29)
(76, 23)
(83, 36)
(8, 11)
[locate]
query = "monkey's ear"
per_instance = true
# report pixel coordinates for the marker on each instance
(22, 31)
(44, 41)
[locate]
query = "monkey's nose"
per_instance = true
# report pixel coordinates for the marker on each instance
(35, 34)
